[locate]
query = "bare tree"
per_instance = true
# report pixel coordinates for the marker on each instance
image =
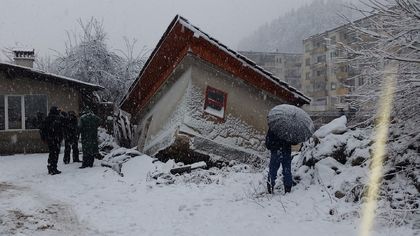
(45, 63)
(132, 61)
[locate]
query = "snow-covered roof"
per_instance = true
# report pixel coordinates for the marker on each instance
(182, 38)
(47, 76)
(23, 49)
(246, 61)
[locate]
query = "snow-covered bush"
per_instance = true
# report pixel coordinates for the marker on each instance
(341, 162)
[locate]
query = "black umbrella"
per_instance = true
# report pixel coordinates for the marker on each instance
(290, 123)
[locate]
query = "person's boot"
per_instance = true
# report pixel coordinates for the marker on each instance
(50, 170)
(53, 172)
(287, 189)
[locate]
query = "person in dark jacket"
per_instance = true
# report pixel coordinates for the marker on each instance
(89, 124)
(71, 138)
(52, 134)
(281, 153)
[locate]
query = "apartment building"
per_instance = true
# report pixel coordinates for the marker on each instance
(285, 66)
(327, 76)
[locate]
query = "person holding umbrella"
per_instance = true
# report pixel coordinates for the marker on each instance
(287, 125)
(281, 153)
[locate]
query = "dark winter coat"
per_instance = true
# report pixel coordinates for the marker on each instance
(52, 127)
(272, 142)
(71, 128)
(89, 124)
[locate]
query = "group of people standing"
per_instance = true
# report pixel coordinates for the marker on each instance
(60, 125)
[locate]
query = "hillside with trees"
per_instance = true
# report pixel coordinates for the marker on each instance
(286, 33)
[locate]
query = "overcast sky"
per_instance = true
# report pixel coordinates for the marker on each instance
(41, 24)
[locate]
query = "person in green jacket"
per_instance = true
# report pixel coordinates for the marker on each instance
(89, 124)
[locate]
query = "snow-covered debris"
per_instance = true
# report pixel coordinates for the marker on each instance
(188, 168)
(137, 169)
(337, 126)
(344, 148)
(117, 157)
(160, 173)
(197, 165)
(107, 142)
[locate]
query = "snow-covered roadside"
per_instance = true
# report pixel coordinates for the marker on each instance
(98, 201)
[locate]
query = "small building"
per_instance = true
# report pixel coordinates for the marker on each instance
(26, 94)
(195, 99)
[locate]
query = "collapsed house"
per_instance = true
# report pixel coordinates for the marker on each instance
(195, 99)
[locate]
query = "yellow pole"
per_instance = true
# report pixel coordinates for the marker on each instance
(379, 149)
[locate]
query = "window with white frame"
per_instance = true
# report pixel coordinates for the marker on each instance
(215, 103)
(19, 112)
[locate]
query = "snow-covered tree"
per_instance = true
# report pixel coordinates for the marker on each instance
(390, 37)
(390, 34)
(88, 58)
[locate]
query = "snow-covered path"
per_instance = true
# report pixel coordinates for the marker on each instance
(97, 201)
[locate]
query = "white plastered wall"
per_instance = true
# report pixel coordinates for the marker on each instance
(166, 109)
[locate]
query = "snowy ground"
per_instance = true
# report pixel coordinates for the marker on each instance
(97, 201)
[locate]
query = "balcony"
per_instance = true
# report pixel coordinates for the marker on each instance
(319, 50)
